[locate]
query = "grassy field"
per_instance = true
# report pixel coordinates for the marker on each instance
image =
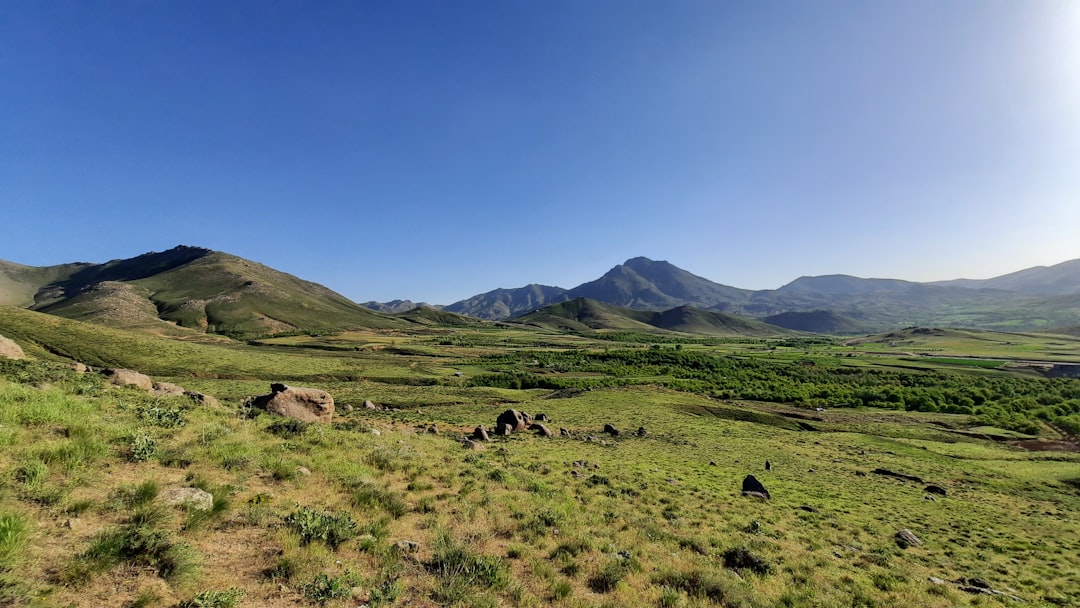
(376, 509)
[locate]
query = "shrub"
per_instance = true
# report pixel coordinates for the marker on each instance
(458, 568)
(325, 588)
(215, 599)
(13, 538)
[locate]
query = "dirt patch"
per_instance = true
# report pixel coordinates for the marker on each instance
(1047, 446)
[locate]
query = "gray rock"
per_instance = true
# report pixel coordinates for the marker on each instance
(9, 349)
(129, 377)
(540, 429)
(304, 404)
(192, 498)
(906, 538)
(480, 434)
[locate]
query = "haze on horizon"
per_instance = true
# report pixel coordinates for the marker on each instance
(436, 150)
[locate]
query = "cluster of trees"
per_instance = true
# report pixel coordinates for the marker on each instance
(1005, 401)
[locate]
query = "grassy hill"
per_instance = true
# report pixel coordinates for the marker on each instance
(583, 314)
(819, 321)
(425, 315)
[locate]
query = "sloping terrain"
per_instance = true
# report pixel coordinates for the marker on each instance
(819, 321)
(506, 303)
(582, 314)
(645, 284)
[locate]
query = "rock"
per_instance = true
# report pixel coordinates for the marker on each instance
(759, 495)
(304, 404)
(768, 465)
(712, 463)
(564, 432)
(937, 581)
(641, 432)
(504, 429)
(611, 430)
(192, 498)
(480, 434)
(980, 583)
(459, 374)
(741, 559)
(527, 418)
(407, 546)
(807, 508)
(541, 418)
(513, 418)
(469, 444)
(368, 405)
(166, 389)
(202, 398)
(929, 497)
(889, 473)
(9, 349)
(375, 432)
(751, 484)
(348, 408)
(540, 429)
(433, 429)
(303, 471)
(905, 538)
(128, 377)
(79, 368)
(932, 489)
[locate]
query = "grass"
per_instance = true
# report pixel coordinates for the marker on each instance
(526, 521)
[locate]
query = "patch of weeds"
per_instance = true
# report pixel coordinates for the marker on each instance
(13, 538)
(282, 571)
(258, 509)
(287, 428)
(325, 588)
(561, 590)
(78, 507)
(669, 598)
(310, 525)
(611, 573)
(215, 599)
(233, 455)
(32, 473)
(419, 486)
(701, 584)
(458, 569)
(197, 518)
(140, 543)
(572, 548)
(163, 415)
(425, 505)
(369, 495)
(130, 496)
(280, 469)
(386, 592)
(140, 446)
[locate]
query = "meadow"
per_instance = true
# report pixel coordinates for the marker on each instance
(389, 507)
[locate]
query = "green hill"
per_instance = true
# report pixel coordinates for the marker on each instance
(585, 314)
(690, 320)
(819, 321)
(187, 287)
(425, 315)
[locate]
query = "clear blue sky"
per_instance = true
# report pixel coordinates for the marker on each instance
(435, 150)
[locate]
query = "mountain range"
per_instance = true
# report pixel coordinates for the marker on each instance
(194, 292)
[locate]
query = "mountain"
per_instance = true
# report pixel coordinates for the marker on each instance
(837, 284)
(187, 287)
(395, 306)
(506, 303)
(1057, 280)
(583, 314)
(645, 284)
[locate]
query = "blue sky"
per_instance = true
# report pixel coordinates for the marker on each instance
(435, 150)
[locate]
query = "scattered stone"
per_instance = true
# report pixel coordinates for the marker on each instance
(469, 444)
(540, 429)
(758, 495)
(580, 464)
(368, 405)
(590, 439)
(504, 429)
(564, 432)
(515, 419)
(303, 471)
(929, 497)
(129, 377)
(712, 463)
(459, 374)
(611, 430)
(751, 484)
(641, 432)
(768, 465)
(905, 538)
(10, 350)
(375, 432)
(304, 404)
(433, 429)
(480, 434)
(192, 498)
(933, 489)
(166, 389)
(78, 368)
(807, 508)
(348, 408)
(542, 418)
(810, 470)
(937, 581)
(889, 473)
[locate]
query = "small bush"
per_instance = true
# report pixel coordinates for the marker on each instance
(140, 543)
(329, 528)
(458, 568)
(163, 415)
(141, 446)
(369, 494)
(325, 588)
(288, 428)
(741, 559)
(13, 538)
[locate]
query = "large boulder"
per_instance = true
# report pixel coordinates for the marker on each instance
(304, 404)
(166, 389)
(10, 350)
(541, 429)
(513, 418)
(751, 486)
(480, 434)
(192, 498)
(128, 377)
(611, 430)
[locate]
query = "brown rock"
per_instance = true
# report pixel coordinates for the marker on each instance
(469, 444)
(79, 368)
(565, 432)
(166, 389)
(751, 484)
(10, 350)
(368, 405)
(203, 398)
(504, 429)
(611, 430)
(514, 418)
(540, 429)
(433, 429)
(304, 404)
(192, 498)
(127, 377)
(905, 538)
(480, 434)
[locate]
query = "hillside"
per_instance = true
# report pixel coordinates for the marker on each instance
(1057, 280)
(187, 287)
(819, 321)
(645, 284)
(507, 303)
(582, 313)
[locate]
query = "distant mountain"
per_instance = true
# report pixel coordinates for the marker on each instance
(187, 287)
(394, 306)
(1057, 280)
(582, 314)
(428, 315)
(842, 284)
(506, 303)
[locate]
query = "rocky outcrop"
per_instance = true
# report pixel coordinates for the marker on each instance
(751, 485)
(515, 419)
(166, 389)
(304, 404)
(10, 350)
(129, 377)
(191, 498)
